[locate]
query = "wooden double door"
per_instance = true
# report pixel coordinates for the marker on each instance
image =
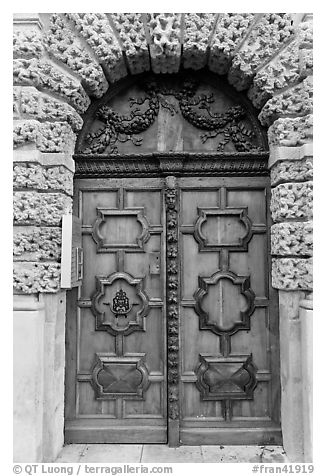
(172, 337)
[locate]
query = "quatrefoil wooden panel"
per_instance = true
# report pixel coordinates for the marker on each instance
(226, 228)
(226, 378)
(125, 376)
(119, 229)
(219, 320)
(107, 317)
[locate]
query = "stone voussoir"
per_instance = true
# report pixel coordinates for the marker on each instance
(34, 208)
(30, 277)
(296, 101)
(293, 64)
(292, 239)
(65, 46)
(96, 30)
(27, 44)
(230, 30)
(165, 41)
(131, 30)
(32, 104)
(32, 243)
(292, 274)
(264, 40)
(46, 76)
(292, 201)
(197, 33)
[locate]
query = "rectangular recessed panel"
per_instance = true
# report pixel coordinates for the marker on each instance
(194, 265)
(194, 409)
(150, 201)
(120, 229)
(93, 199)
(192, 199)
(254, 199)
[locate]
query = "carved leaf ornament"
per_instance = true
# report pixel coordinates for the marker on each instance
(122, 128)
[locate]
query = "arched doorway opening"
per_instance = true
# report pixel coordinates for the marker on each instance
(172, 334)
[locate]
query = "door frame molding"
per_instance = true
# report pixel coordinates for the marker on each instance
(160, 164)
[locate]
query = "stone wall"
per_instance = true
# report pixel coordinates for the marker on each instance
(291, 208)
(64, 61)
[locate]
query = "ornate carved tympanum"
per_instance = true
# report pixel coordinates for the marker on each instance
(207, 115)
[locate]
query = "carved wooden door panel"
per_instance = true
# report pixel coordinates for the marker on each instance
(173, 335)
(116, 334)
(229, 363)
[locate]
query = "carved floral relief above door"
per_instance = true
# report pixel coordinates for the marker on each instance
(173, 113)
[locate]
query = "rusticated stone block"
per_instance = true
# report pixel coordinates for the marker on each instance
(36, 277)
(292, 238)
(29, 101)
(132, 34)
(27, 44)
(294, 63)
(33, 208)
(28, 176)
(292, 171)
(265, 39)
(96, 30)
(48, 136)
(33, 104)
(291, 201)
(43, 74)
(197, 32)
(34, 176)
(33, 243)
(16, 98)
(65, 46)
(291, 132)
(296, 101)
(230, 30)
(56, 137)
(25, 132)
(165, 44)
(59, 178)
(292, 273)
(50, 108)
